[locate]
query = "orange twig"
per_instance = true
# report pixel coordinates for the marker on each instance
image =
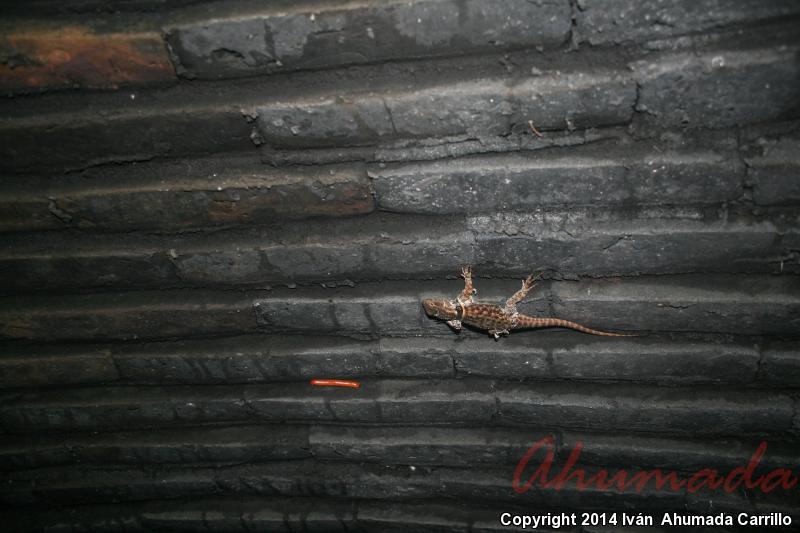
(533, 129)
(335, 383)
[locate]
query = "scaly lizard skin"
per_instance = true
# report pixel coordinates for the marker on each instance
(493, 318)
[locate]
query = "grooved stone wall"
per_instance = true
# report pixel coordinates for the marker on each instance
(206, 204)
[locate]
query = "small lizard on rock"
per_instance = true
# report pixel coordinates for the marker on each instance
(493, 318)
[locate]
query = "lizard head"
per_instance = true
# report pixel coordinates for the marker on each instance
(440, 308)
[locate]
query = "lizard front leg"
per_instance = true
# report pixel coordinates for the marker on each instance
(455, 324)
(466, 295)
(497, 332)
(527, 285)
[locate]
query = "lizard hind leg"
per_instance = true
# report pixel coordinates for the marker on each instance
(527, 284)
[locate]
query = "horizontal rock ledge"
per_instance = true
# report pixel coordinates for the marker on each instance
(174, 195)
(441, 104)
(308, 478)
(569, 242)
(546, 356)
(418, 446)
(730, 304)
(666, 410)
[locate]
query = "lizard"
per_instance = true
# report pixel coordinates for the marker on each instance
(493, 318)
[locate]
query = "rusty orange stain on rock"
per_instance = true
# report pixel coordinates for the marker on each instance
(292, 200)
(34, 59)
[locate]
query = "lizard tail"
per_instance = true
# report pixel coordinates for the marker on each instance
(524, 321)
